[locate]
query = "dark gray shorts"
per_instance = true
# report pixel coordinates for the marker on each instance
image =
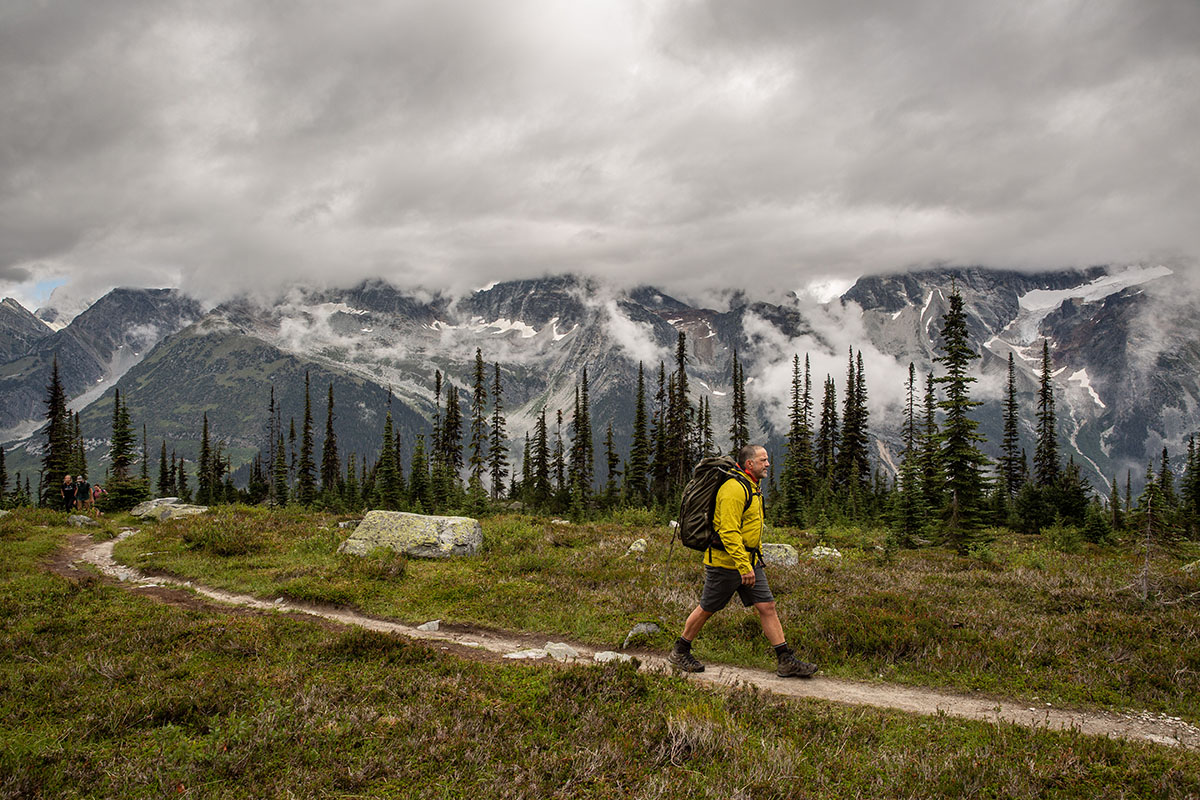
(720, 584)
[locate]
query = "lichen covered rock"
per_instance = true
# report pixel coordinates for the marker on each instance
(416, 535)
(778, 554)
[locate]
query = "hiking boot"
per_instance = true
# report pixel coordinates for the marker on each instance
(684, 661)
(792, 667)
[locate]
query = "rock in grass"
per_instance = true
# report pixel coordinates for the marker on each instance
(432, 625)
(416, 535)
(638, 546)
(605, 656)
(560, 651)
(820, 551)
(527, 654)
(640, 631)
(177, 510)
(82, 521)
(4, 513)
(144, 509)
(780, 555)
(1190, 568)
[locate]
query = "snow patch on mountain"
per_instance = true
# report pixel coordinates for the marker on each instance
(1081, 377)
(1037, 304)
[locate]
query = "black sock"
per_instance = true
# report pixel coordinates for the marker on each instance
(782, 650)
(683, 645)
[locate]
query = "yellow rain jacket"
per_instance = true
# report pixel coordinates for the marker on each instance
(740, 532)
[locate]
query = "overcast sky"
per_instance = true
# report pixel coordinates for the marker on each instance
(238, 146)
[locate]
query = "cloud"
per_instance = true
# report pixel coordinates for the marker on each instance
(228, 147)
(635, 338)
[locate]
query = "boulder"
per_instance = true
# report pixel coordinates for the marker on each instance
(636, 548)
(527, 654)
(144, 509)
(780, 555)
(415, 535)
(820, 551)
(432, 625)
(82, 521)
(177, 511)
(640, 631)
(605, 656)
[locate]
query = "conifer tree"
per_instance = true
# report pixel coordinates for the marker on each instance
(853, 458)
(560, 463)
(739, 430)
(145, 460)
(541, 462)
(279, 475)
(1116, 516)
(306, 469)
(961, 460)
(79, 457)
(931, 460)
(204, 469)
(388, 491)
(479, 435)
(526, 467)
(1011, 462)
(182, 490)
(4, 480)
(792, 478)
(637, 466)
(418, 483)
(611, 484)
(498, 441)
(680, 416)
(707, 444)
(1045, 456)
(1190, 489)
(1166, 481)
(165, 484)
(911, 510)
(331, 463)
(120, 452)
(56, 457)
(827, 433)
(351, 496)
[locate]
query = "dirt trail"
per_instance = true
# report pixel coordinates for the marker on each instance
(1143, 727)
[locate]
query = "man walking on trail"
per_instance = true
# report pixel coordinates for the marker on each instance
(735, 565)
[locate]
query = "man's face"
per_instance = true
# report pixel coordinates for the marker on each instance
(757, 467)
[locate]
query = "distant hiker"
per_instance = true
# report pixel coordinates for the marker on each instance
(68, 493)
(83, 493)
(735, 565)
(97, 492)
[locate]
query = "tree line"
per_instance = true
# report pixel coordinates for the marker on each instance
(946, 489)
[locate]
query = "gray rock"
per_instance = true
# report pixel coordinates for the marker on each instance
(527, 654)
(642, 629)
(781, 555)
(605, 656)
(636, 548)
(560, 651)
(144, 509)
(177, 511)
(820, 551)
(82, 521)
(4, 513)
(432, 625)
(415, 535)
(349, 523)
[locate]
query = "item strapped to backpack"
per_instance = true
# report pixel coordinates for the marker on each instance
(699, 501)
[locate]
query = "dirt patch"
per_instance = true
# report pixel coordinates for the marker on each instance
(491, 645)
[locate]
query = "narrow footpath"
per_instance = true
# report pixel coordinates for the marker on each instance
(1138, 727)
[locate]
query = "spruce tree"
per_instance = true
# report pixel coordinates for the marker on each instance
(56, 456)
(560, 462)
(79, 452)
(145, 461)
(183, 491)
(827, 434)
(660, 467)
(911, 509)
(792, 481)
(932, 483)
(498, 441)
(542, 489)
(204, 470)
(612, 460)
(1045, 456)
(331, 463)
(479, 435)
(739, 429)
(388, 492)
(306, 470)
(637, 466)
(279, 475)
(418, 483)
(124, 490)
(3, 480)
(1011, 462)
(165, 484)
(351, 496)
(961, 460)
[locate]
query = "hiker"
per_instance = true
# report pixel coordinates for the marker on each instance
(83, 494)
(68, 493)
(738, 567)
(98, 491)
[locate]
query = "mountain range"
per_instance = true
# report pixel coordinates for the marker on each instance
(1123, 342)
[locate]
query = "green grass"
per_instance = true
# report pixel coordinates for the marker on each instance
(1027, 622)
(104, 693)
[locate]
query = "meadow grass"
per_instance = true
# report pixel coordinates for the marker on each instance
(105, 693)
(1023, 621)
